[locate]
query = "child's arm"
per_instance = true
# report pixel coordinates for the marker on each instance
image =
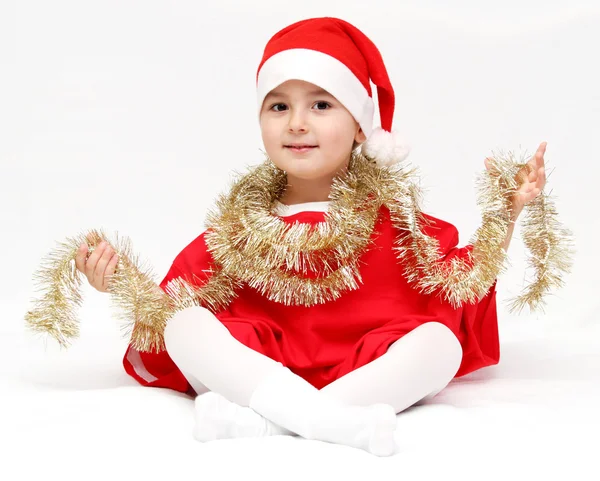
(453, 271)
(511, 229)
(534, 180)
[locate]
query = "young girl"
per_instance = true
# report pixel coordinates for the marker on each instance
(302, 347)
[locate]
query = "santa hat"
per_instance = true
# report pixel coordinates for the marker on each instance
(339, 58)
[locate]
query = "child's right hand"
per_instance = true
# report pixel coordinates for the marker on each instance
(99, 266)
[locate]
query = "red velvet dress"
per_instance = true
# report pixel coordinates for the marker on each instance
(324, 342)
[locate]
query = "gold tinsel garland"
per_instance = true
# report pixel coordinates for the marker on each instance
(251, 245)
(143, 305)
(551, 251)
(458, 280)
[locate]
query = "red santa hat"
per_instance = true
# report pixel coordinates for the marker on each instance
(339, 58)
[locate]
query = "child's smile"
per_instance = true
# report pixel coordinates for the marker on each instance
(301, 149)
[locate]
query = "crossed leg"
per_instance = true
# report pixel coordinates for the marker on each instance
(415, 367)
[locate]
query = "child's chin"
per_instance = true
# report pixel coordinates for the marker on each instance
(308, 172)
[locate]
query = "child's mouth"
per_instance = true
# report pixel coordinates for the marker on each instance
(300, 148)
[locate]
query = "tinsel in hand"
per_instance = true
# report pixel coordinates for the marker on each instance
(460, 280)
(142, 304)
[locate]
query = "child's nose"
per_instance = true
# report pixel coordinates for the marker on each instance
(297, 121)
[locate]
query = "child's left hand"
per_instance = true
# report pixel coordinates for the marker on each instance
(533, 183)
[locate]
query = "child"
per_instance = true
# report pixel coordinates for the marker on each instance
(314, 355)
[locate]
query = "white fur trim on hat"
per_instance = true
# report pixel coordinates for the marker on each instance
(320, 69)
(386, 148)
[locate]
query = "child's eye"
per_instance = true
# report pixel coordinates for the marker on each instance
(323, 103)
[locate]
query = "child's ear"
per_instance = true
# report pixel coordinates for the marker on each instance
(360, 136)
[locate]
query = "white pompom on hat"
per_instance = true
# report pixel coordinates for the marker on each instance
(387, 148)
(339, 58)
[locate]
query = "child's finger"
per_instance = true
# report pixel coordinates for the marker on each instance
(541, 179)
(100, 270)
(524, 172)
(90, 265)
(539, 155)
(110, 270)
(80, 257)
(533, 194)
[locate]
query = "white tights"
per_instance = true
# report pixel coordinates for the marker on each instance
(415, 367)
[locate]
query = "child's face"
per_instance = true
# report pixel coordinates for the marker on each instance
(298, 112)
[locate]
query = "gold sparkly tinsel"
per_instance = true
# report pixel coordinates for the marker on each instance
(143, 305)
(460, 280)
(252, 246)
(551, 251)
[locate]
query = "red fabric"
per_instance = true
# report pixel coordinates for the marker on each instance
(323, 342)
(331, 36)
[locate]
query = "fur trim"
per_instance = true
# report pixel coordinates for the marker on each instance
(385, 148)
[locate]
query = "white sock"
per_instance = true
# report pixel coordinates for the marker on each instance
(219, 418)
(401, 377)
(289, 401)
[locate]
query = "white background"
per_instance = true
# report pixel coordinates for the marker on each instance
(132, 116)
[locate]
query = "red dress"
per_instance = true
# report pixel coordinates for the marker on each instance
(324, 342)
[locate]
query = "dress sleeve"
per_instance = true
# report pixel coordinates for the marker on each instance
(447, 236)
(476, 324)
(194, 264)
